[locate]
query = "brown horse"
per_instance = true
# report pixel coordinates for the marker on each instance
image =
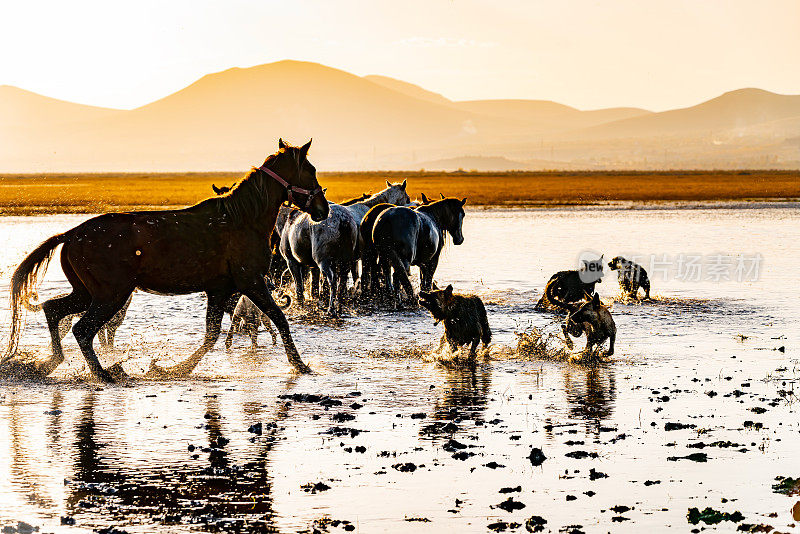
(218, 246)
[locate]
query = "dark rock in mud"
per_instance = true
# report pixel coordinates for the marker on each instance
(303, 397)
(256, 429)
(463, 455)
(571, 498)
(315, 487)
(511, 490)
(537, 457)
(748, 527)
(343, 431)
(594, 475)
(67, 520)
(110, 530)
(753, 425)
(620, 509)
(696, 457)
(493, 465)
(502, 526)
(620, 519)
(418, 415)
(709, 516)
(787, 486)
(578, 455)
(341, 417)
(720, 444)
(453, 446)
(407, 467)
(361, 449)
(651, 482)
(535, 523)
(510, 505)
(677, 426)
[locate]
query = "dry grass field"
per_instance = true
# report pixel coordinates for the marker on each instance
(91, 193)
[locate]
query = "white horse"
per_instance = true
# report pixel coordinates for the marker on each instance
(329, 245)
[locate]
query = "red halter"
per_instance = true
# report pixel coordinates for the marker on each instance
(293, 188)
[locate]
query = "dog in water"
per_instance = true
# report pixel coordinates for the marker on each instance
(246, 319)
(465, 321)
(567, 287)
(631, 277)
(594, 320)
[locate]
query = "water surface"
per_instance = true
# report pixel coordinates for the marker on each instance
(178, 454)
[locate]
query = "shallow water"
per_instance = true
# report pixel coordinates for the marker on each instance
(120, 455)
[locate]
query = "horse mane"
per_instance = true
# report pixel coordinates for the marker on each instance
(247, 198)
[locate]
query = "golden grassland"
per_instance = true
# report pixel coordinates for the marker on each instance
(92, 193)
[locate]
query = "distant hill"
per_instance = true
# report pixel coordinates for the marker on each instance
(232, 119)
(473, 163)
(26, 109)
(743, 108)
(408, 89)
(490, 164)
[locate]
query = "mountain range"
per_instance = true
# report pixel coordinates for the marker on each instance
(231, 120)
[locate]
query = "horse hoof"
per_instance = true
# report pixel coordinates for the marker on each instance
(104, 376)
(156, 371)
(117, 373)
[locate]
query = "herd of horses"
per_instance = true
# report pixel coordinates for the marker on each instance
(222, 247)
(234, 245)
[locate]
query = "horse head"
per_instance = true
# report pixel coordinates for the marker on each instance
(300, 176)
(451, 213)
(395, 194)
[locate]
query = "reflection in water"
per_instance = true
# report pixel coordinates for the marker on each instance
(463, 396)
(591, 393)
(25, 465)
(215, 494)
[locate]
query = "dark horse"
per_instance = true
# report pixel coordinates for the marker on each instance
(404, 237)
(218, 247)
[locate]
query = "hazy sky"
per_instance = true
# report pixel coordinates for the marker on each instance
(589, 54)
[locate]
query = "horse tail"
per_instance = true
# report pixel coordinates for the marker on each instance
(23, 283)
(284, 300)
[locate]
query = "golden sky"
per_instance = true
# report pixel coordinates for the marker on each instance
(585, 53)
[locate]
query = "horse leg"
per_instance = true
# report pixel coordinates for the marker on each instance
(401, 269)
(261, 297)
(314, 283)
(342, 291)
(426, 273)
(268, 325)
(102, 338)
(299, 279)
(87, 327)
(56, 311)
(115, 323)
(253, 327)
(214, 313)
(235, 319)
(329, 271)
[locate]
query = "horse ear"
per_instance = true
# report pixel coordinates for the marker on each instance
(404, 184)
(449, 289)
(441, 195)
(463, 201)
(304, 150)
(388, 184)
(216, 189)
(424, 198)
(596, 300)
(281, 144)
(323, 191)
